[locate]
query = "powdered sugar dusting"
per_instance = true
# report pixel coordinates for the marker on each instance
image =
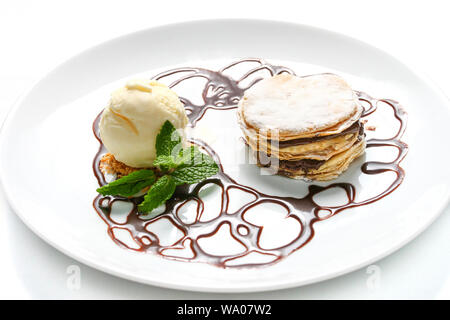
(294, 104)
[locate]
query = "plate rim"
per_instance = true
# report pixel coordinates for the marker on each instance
(201, 288)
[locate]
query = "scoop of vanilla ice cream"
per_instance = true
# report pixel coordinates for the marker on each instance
(132, 120)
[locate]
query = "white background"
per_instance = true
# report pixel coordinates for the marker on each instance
(35, 36)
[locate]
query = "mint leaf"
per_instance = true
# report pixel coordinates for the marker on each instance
(199, 167)
(166, 163)
(158, 194)
(191, 175)
(192, 156)
(186, 157)
(129, 185)
(167, 140)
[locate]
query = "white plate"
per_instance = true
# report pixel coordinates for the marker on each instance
(47, 148)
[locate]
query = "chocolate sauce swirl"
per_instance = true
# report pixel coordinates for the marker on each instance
(226, 93)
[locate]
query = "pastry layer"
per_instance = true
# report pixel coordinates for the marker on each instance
(297, 107)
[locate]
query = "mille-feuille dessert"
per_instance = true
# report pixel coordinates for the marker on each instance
(303, 127)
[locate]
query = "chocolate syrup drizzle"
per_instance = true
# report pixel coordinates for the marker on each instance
(222, 93)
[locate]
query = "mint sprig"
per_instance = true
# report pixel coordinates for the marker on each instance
(177, 166)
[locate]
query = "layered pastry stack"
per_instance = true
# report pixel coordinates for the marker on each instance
(303, 127)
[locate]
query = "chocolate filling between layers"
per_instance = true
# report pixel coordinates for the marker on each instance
(355, 127)
(308, 164)
(305, 164)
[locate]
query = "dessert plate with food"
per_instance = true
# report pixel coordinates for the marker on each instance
(206, 157)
